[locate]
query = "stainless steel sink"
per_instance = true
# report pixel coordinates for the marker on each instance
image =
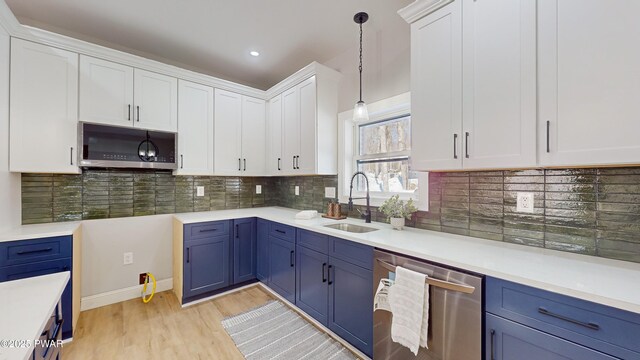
(351, 228)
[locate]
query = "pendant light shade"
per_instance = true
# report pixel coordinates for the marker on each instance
(360, 112)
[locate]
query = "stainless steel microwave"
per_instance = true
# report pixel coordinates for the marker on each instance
(106, 146)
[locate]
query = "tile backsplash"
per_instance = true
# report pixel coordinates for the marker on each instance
(588, 211)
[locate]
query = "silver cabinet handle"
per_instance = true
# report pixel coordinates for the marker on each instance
(239, 164)
(455, 148)
(294, 162)
(245, 164)
(71, 155)
(279, 164)
(466, 145)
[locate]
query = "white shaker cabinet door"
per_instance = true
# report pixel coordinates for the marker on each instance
(290, 130)
(43, 109)
(253, 136)
(195, 129)
(307, 157)
(156, 101)
(227, 133)
(106, 92)
(589, 82)
(499, 83)
(436, 90)
(274, 137)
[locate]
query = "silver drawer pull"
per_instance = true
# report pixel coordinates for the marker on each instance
(588, 325)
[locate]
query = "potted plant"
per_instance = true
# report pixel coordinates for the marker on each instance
(397, 211)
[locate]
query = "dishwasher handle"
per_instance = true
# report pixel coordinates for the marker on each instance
(447, 285)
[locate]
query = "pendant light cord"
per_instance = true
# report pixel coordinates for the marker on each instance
(360, 67)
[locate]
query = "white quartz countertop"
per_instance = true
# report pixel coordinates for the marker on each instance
(605, 281)
(25, 307)
(25, 232)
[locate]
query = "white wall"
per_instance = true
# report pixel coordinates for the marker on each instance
(386, 66)
(105, 241)
(10, 204)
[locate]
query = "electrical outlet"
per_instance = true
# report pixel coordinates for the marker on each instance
(330, 192)
(128, 258)
(143, 278)
(258, 189)
(297, 190)
(199, 190)
(525, 202)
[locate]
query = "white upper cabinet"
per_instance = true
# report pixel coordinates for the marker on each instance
(253, 136)
(499, 83)
(227, 133)
(589, 110)
(290, 129)
(195, 129)
(115, 94)
(43, 109)
(309, 125)
(156, 101)
(436, 93)
(106, 92)
(240, 131)
(274, 137)
(474, 86)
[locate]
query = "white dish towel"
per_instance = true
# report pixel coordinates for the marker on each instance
(409, 302)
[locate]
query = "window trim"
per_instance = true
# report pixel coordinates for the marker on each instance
(348, 151)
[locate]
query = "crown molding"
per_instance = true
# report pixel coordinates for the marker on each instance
(421, 8)
(306, 72)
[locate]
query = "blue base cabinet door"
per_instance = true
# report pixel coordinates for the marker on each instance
(282, 268)
(206, 265)
(351, 303)
(312, 291)
(508, 340)
(244, 250)
(262, 261)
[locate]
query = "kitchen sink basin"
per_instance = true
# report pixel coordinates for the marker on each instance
(352, 228)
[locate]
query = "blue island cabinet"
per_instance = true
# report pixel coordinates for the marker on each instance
(244, 250)
(206, 258)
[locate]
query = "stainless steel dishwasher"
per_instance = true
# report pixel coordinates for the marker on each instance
(455, 312)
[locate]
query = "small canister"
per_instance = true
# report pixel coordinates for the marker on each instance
(330, 209)
(337, 209)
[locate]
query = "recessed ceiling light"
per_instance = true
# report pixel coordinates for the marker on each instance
(254, 53)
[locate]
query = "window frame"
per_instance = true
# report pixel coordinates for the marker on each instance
(349, 152)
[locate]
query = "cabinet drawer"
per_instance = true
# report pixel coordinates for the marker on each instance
(349, 251)
(29, 251)
(606, 329)
(314, 241)
(207, 229)
(283, 232)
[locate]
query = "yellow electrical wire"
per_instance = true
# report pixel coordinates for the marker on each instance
(144, 288)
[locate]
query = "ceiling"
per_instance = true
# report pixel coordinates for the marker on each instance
(215, 36)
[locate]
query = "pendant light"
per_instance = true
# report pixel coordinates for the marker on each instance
(360, 112)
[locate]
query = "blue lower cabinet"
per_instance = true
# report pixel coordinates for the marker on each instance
(282, 267)
(24, 271)
(262, 245)
(508, 340)
(312, 290)
(244, 250)
(351, 303)
(206, 265)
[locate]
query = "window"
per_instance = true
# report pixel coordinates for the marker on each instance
(384, 148)
(380, 148)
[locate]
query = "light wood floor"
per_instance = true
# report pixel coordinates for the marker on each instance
(161, 329)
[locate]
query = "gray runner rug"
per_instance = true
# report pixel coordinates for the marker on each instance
(273, 331)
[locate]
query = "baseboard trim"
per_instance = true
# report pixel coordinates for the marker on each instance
(315, 322)
(120, 295)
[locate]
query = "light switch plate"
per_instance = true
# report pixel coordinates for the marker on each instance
(330, 192)
(258, 189)
(297, 190)
(199, 190)
(127, 258)
(525, 202)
